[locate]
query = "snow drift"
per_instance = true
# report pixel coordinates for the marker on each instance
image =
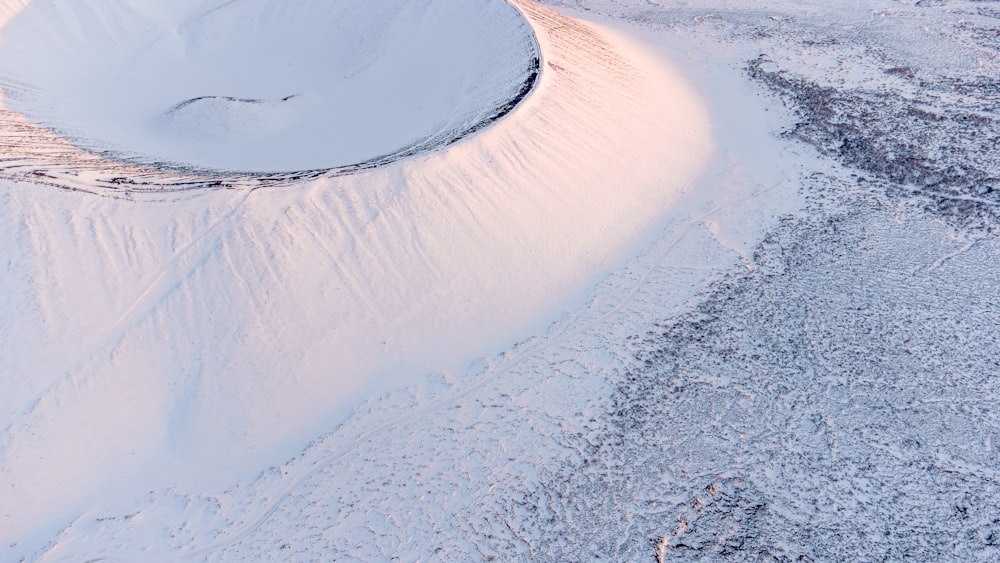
(191, 343)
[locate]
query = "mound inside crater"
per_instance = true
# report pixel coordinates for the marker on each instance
(261, 85)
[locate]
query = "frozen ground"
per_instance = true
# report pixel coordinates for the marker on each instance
(793, 357)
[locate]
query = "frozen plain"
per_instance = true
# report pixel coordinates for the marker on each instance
(792, 357)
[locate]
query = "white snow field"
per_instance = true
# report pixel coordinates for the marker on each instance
(157, 342)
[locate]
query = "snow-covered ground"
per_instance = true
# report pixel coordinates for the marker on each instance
(718, 287)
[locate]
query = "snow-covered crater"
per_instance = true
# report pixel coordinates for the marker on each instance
(159, 343)
(262, 85)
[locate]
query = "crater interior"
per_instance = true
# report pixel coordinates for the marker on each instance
(261, 85)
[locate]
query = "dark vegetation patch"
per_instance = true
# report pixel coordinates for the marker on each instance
(834, 404)
(942, 144)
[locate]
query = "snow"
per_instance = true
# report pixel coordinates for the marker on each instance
(714, 288)
(194, 341)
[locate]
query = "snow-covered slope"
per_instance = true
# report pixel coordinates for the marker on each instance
(154, 343)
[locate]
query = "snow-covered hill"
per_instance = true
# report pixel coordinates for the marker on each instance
(152, 342)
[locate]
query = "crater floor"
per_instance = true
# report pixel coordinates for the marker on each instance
(262, 86)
